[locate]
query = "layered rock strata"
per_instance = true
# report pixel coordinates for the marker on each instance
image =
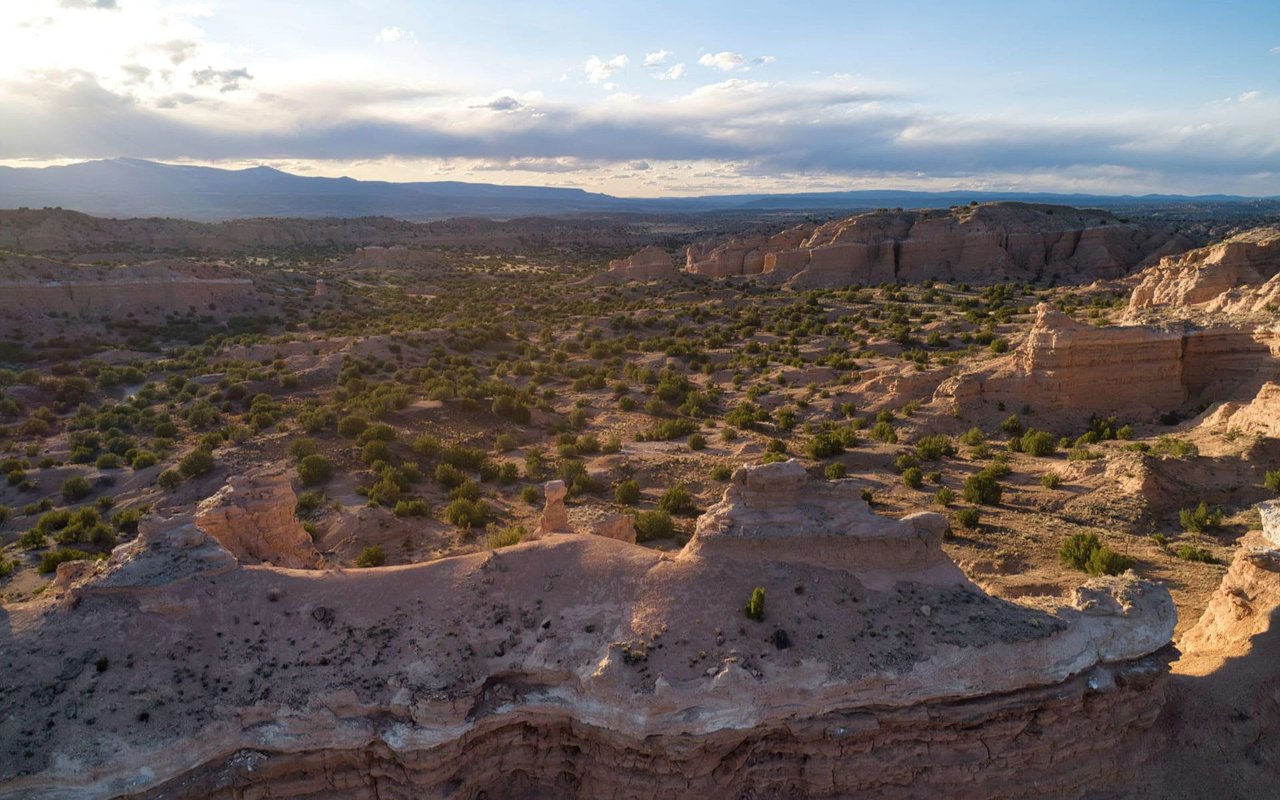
(651, 263)
(986, 243)
(1071, 369)
(580, 666)
(1238, 275)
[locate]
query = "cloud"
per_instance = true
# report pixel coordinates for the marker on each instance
(762, 60)
(136, 73)
(674, 73)
(657, 59)
(725, 61)
(106, 5)
(392, 33)
(178, 50)
(503, 103)
(227, 80)
(1275, 51)
(600, 71)
(1248, 97)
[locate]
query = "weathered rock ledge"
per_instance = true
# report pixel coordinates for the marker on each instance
(583, 666)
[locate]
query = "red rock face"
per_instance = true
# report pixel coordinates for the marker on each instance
(651, 263)
(1205, 274)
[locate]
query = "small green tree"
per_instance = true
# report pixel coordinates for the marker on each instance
(371, 556)
(755, 606)
(314, 470)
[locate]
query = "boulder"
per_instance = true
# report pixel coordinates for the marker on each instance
(252, 516)
(555, 517)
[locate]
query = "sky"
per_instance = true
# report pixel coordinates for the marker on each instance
(660, 98)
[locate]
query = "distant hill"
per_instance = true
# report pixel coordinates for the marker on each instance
(127, 187)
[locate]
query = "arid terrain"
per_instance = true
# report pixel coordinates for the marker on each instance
(975, 502)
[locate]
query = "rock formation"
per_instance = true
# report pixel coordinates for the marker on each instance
(976, 244)
(555, 518)
(621, 527)
(1257, 417)
(253, 517)
(375, 257)
(1237, 276)
(1071, 369)
(651, 263)
(32, 287)
(579, 666)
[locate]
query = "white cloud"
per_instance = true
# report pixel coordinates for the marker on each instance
(103, 4)
(1246, 97)
(672, 74)
(724, 61)
(762, 60)
(393, 33)
(600, 71)
(1275, 51)
(657, 59)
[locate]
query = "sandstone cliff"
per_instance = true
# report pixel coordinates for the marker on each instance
(1238, 276)
(1070, 370)
(31, 287)
(978, 244)
(581, 666)
(651, 263)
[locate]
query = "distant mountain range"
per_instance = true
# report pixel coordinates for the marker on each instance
(127, 187)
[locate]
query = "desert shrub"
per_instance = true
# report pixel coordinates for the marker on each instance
(697, 442)
(169, 479)
(143, 459)
(1197, 554)
(972, 437)
(50, 560)
(913, 478)
(7, 566)
(627, 493)
(1038, 443)
(835, 471)
(505, 537)
(1200, 519)
(108, 461)
(197, 462)
(1272, 480)
(352, 426)
(466, 513)
(412, 508)
(1012, 425)
(982, 487)
(883, 432)
(677, 500)
(314, 469)
(508, 473)
(75, 488)
(1050, 480)
(968, 518)
(755, 606)
(32, 539)
(1085, 552)
(824, 445)
(721, 472)
(654, 525)
(1082, 454)
(371, 556)
(674, 428)
(5, 514)
(531, 495)
(375, 451)
(932, 448)
(1173, 447)
(502, 443)
(463, 457)
(308, 502)
(944, 496)
(427, 445)
(302, 447)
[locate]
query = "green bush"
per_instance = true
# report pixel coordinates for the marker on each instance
(412, 508)
(944, 496)
(75, 488)
(169, 479)
(1200, 519)
(982, 487)
(108, 461)
(352, 426)
(371, 556)
(824, 445)
(1198, 554)
(932, 448)
(197, 462)
(835, 471)
(677, 500)
(968, 518)
(755, 606)
(314, 470)
(466, 513)
(531, 495)
(302, 447)
(1012, 425)
(1272, 480)
(972, 437)
(653, 525)
(913, 478)
(32, 539)
(627, 493)
(721, 472)
(1038, 443)
(884, 432)
(505, 537)
(1050, 480)
(1085, 552)
(697, 442)
(50, 560)
(144, 459)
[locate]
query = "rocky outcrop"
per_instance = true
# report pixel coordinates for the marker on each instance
(555, 517)
(1235, 275)
(1070, 370)
(579, 666)
(32, 287)
(651, 263)
(976, 244)
(1257, 417)
(376, 257)
(253, 517)
(621, 527)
